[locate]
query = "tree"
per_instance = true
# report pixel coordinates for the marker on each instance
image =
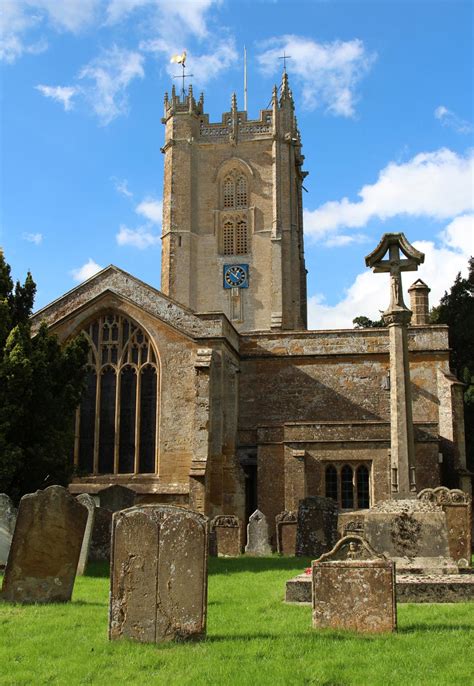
(366, 323)
(456, 309)
(40, 388)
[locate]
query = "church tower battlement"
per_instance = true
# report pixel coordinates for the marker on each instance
(232, 212)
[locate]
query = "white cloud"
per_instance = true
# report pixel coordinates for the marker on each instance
(140, 238)
(205, 67)
(327, 72)
(452, 121)
(109, 77)
(369, 293)
(432, 184)
(151, 209)
(86, 271)
(62, 94)
(170, 17)
(35, 238)
(121, 186)
(20, 17)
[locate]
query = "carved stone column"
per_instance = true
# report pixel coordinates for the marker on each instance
(197, 474)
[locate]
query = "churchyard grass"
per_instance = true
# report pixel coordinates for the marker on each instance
(253, 639)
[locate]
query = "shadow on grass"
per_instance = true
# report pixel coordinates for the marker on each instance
(87, 603)
(430, 627)
(98, 569)
(229, 565)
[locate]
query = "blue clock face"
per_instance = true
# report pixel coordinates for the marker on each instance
(236, 276)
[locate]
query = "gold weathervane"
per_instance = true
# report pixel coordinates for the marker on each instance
(181, 59)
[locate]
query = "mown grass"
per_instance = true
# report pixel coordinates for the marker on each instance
(253, 639)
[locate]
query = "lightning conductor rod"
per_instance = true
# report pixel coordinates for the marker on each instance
(245, 79)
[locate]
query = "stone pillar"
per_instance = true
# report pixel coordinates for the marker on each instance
(419, 303)
(198, 488)
(295, 477)
(402, 442)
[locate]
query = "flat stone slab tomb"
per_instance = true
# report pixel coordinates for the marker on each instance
(410, 588)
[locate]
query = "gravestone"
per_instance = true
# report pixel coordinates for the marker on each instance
(228, 535)
(45, 548)
(317, 526)
(88, 502)
(457, 507)
(101, 536)
(115, 498)
(257, 535)
(7, 526)
(286, 532)
(354, 588)
(212, 543)
(158, 574)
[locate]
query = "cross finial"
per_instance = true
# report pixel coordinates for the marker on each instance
(183, 76)
(284, 57)
(396, 245)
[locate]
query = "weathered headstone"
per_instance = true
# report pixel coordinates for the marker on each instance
(7, 526)
(228, 535)
(45, 548)
(212, 543)
(158, 574)
(257, 535)
(457, 507)
(115, 498)
(286, 532)
(101, 536)
(88, 502)
(317, 526)
(354, 588)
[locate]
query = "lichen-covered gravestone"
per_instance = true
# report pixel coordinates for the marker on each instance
(228, 535)
(101, 536)
(257, 535)
(158, 574)
(88, 502)
(354, 589)
(286, 532)
(115, 498)
(457, 507)
(317, 526)
(45, 548)
(7, 526)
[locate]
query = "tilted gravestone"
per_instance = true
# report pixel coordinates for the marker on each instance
(257, 535)
(45, 548)
(7, 526)
(115, 498)
(88, 502)
(158, 574)
(354, 588)
(101, 536)
(228, 535)
(286, 532)
(317, 526)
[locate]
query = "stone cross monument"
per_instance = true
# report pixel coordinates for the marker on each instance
(402, 257)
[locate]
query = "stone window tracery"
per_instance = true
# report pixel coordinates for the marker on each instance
(348, 485)
(116, 424)
(234, 233)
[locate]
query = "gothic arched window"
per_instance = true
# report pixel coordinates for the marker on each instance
(234, 234)
(117, 420)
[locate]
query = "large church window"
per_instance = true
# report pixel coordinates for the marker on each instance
(147, 419)
(107, 421)
(348, 484)
(117, 420)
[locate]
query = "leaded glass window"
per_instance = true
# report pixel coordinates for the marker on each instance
(118, 417)
(348, 484)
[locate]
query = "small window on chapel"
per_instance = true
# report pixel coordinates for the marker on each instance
(234, 224)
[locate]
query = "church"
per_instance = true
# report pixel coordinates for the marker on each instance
(211, 393)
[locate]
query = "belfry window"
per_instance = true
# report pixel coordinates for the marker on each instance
(234, 234)
(116, 424)
(348, 485)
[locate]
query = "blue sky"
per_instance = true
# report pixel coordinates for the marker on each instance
(384, 99)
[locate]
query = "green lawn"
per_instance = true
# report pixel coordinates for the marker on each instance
(253, 638)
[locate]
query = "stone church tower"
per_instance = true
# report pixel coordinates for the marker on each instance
(232, 213)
